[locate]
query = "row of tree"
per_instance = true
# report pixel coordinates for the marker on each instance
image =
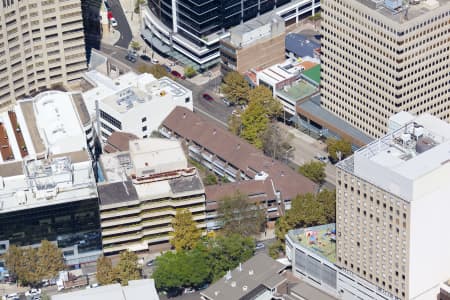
(126, 269)
(29, 266)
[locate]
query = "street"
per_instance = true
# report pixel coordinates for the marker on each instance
(123, 27)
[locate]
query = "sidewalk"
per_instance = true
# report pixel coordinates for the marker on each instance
(110, 37)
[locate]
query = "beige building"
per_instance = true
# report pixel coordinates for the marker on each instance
(392, 209)
(41, 45)
(253, 44)
(382, 57)
(142, 190)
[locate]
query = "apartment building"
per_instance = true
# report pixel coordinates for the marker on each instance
(255, 43)
(41, 45)
(190, 31)
(391, 209)
(47, 185)
(381, 57)
(141, 191)
(132, 103)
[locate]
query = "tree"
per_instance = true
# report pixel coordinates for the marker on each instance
(49, 260)
(13, 260)
(185, 233)
(336, 147)
(28, 274)
(105, 272)
(137, 6)
(239, 215)
(314, 170)
(235, 124)
(210, 179)
(263, 95)
(254, 122)
(156, 70)
(127, 269)
(135, 45)
(190, 72)
(235, 88)
(275, 142)
(227, 251)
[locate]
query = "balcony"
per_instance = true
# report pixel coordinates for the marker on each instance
(207, 156)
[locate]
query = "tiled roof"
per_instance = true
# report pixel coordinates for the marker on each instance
(237, 152)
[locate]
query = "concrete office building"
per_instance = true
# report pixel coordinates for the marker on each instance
(383, 57)
(142, 190)
(41, 45)
(392, 209)
(190, 31)
(132, 103)
(255, 43)
(47, 185)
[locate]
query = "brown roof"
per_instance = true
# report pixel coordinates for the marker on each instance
(11, 169)
(81, 109)
(257, 190)
(30, 119)
(236, 151)
(119, 141)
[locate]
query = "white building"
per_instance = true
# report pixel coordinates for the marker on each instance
(133, 103)
(47, 186)
(392, 209)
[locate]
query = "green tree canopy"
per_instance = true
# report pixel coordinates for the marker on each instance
(189, 71)
(210, 179)
(13, 260)
(339, 146)
(105, 272)
(127, 269)
(156, 70)
(314, 170)
(275, 142)
(234, 124)
(235, 88)
(50, 260)
(254, 122)
(185, 233)
(239, 215)
(135, 45)
(264, 97)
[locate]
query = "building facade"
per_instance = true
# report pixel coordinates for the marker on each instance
(383, 57)
(41, 45)
(190, 31)
(142, 191)
(391, 206)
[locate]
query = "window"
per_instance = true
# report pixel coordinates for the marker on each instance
(111, 120)
(144, 119)
(187, 100)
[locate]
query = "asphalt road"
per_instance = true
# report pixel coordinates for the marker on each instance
(123, 27)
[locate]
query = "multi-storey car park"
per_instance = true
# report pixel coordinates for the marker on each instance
(41, 45)
(381, 57)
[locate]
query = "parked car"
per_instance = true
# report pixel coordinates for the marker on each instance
(13, 296)
(150, 262)
(168, 69)
(177, 74)
(207, 97)
(321, 157)
(259, 246)
(33, 292)
(189, 290)
(155, 61)
(113, 22)
(107, 5)
(145, 58)
(131, 58)
(227, 102)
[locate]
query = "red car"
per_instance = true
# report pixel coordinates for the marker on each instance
(207, 97)
(177, 74)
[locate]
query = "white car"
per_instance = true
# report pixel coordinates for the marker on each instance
(13, 296)
(33, 292)
(113, 22)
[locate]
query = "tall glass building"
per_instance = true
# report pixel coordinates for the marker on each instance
(190, 30)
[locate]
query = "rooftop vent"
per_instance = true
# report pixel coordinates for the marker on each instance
(244, 288)
(250, 272)
(233, 284)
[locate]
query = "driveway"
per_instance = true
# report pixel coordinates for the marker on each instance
(123, 27)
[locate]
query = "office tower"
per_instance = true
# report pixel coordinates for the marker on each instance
(47, 185)
(190, 30)
(392, 209)
(142, 190)
(41, 45)
(382, 57)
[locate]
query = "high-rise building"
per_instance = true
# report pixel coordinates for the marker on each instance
(141, 192)
(190, 30)
(41, 45)
(392, 210)
(382, 57)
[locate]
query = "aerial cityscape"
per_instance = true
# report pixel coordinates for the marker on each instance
(224, 149)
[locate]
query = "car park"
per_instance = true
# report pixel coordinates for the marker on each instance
(177, 74)
(207, 97)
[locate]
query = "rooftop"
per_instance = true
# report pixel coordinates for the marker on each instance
(320, 240)
(258, 271)
(313, 74)
(119, 141)
(397, 11)
(297, 90)
(404, 155)
(133, 291)
(307, 291)
(301, 45)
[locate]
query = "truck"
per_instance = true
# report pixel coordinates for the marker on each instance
(68, 280)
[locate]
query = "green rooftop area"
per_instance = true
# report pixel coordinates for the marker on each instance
(313, 74)
(297, 91)
(320, 240)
